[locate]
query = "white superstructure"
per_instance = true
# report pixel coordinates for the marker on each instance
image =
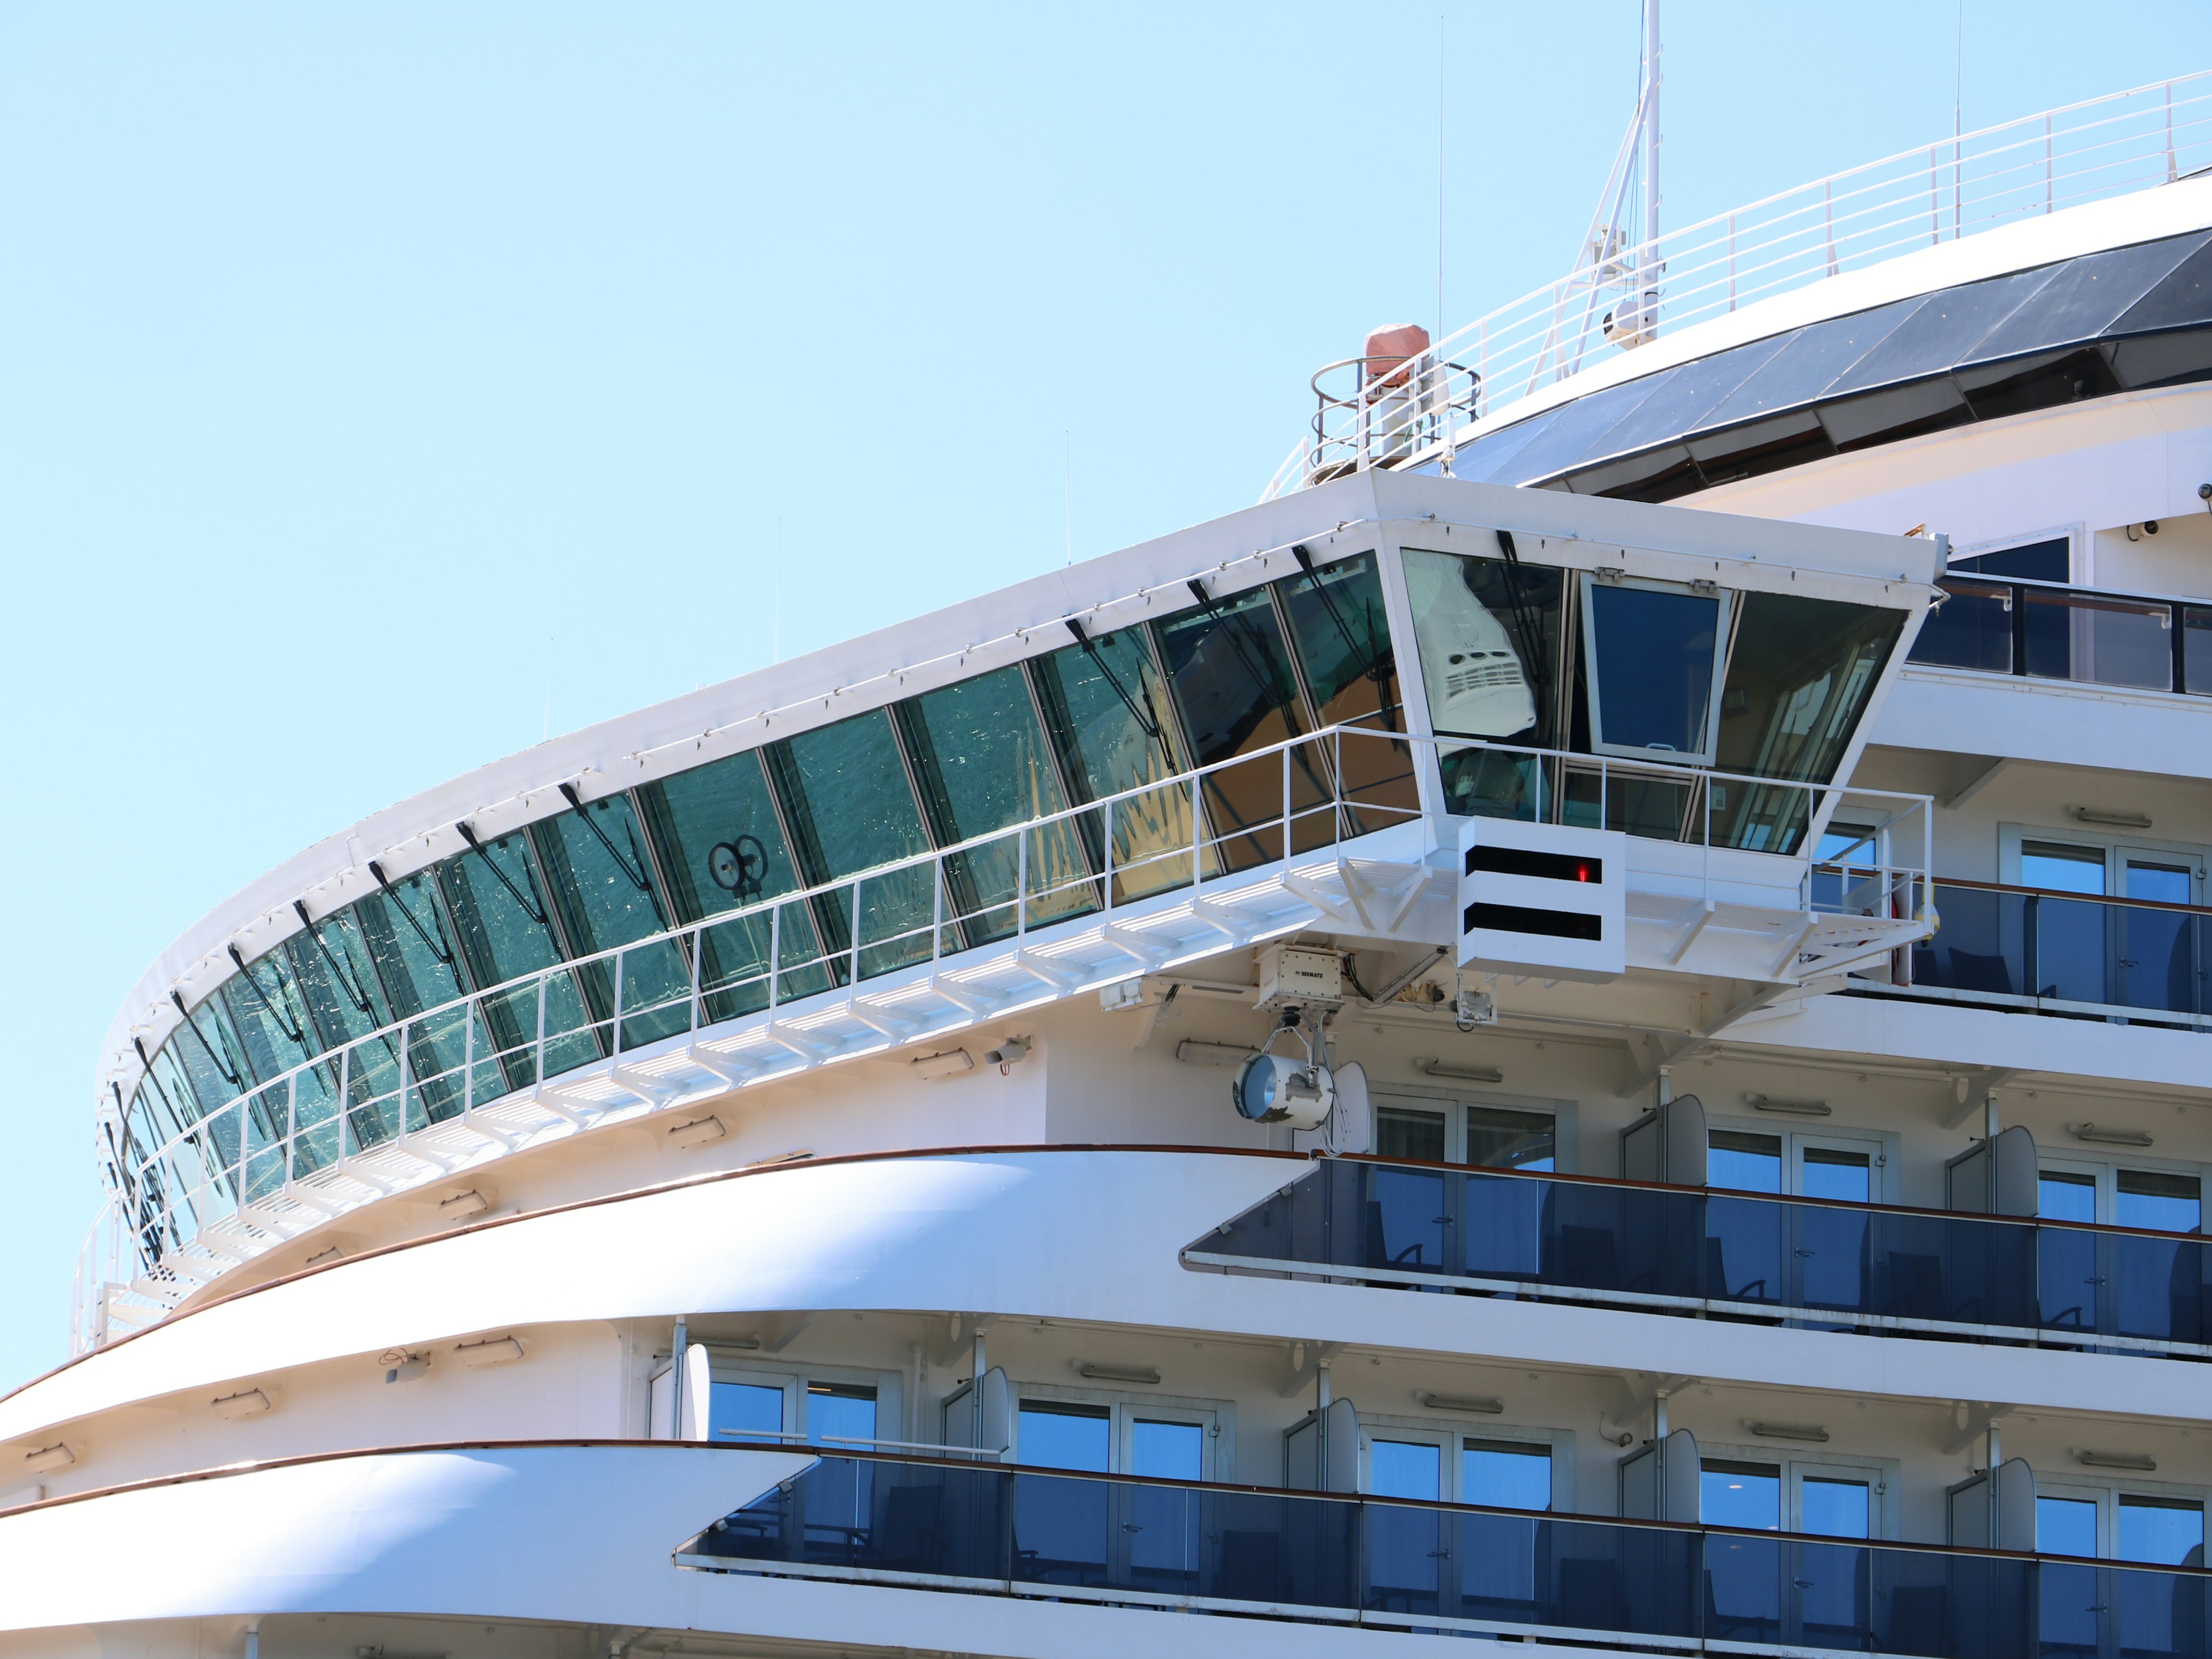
(1586, 1026)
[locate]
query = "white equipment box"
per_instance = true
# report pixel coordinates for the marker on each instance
(1292, 976)
(1543, 900)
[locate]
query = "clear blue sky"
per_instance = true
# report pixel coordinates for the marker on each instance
(357, 359)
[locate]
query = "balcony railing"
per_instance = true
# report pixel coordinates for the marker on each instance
(1374, 1561)
(2051, 952)
(1816, 1263)
(2047, 631)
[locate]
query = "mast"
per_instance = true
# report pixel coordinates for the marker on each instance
(1647, 282)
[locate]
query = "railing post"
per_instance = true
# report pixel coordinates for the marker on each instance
(1197, 833)
(291, 1123)
(1108, 830)
(1731, 262)
(1828, 219)
(468, 1011)
(2030, 946)
(698, 954)
(855, 949)
(774, 954)
(2046, 164)
(936, 910)
(1935, 212)
(2170, 175)
(1286, 752)
(345, 1097)
(1021, 890)
(539, 1056)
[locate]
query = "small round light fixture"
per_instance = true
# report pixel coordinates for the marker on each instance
(1284, 1089)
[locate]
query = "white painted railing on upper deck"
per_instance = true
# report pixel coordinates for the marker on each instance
(1919, 197)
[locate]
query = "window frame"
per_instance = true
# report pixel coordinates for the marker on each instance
(1565, 1115)
(1886, 1513)
(2107, 1491)
(1888, 1144)
(1724, 649)
(1451, 1434)
(1216, 1418)
(2080, 554)
(726, 1364)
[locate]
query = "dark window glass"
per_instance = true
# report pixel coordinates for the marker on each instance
(497, 901)
(1748, 1495)
(2166, 1531)
(1653, 651)
(2083, 297)
(1231, 676)
(2034, 561)
(330, 961)
(2064, 1195)
(1695, 391)
(1501, 1139)
(2196, 650)
(2155, 1198)
(601, 876)
(2181, 299)
(1941, 330)
(722, 848)
(2158, 359)
(1581, 429)
(1343, 642)
(1762, 447)
(1490, 458)
(1809, 363)
(1743, 1162)
(270, 1014)
(211, 1056)
(1883, 417)
(2043, 381)
(979, 754)
(1487, 635)
(851, 808)
(1971, 628)
(1505, 1475)
(1401, 1132)
(1061, 1435)
(839, 1411)
(1109, 715)
(412, 943)
(1797, 686)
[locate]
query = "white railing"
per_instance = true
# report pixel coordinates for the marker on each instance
(380, 1114)
(1919, 197)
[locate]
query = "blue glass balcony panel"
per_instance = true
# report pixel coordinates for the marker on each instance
(1697, 1251)
(997, 1529)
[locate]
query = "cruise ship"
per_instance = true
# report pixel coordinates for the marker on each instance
(1585, 1026)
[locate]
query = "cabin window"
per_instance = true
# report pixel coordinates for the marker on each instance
(497, 900)
(602, 878)
(1343, 642)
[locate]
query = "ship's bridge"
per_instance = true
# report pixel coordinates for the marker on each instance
(1272, 725)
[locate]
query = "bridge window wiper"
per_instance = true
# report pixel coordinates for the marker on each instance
(1091, 650)
(230, 1073)
(633, 871)
(347, 982)
(284, 1022)
(443, 952)
(533, 911)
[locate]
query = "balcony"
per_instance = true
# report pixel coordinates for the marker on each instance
(1698, 1253)
(2038, 950)
(2047, 631)
(864, 1518)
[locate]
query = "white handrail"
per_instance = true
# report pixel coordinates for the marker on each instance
(2040, 164)
(214, 1167)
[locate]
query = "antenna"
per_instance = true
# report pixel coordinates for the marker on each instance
(1611, 256)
